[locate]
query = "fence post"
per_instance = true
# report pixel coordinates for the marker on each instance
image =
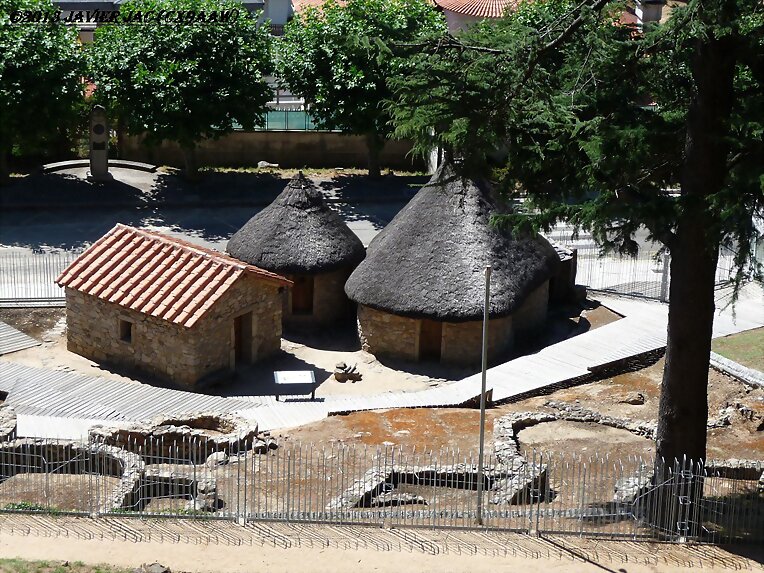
(665, 277)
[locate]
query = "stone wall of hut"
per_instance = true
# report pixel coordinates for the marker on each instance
(215, 337)
(463, 341)
(330, 303)
(169, 351)
(531, 316)
(389, 335)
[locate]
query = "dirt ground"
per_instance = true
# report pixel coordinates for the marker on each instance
(738, 410)
(317, 352)
(64, 492)
(459, 427)
(480, 552)
(34, 322)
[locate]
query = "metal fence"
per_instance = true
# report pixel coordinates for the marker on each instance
(247, 480)
(647, 275)
(27, 279)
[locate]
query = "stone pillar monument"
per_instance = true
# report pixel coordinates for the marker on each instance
(99, 145)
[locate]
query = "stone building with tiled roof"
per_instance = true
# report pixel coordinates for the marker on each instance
(149, 303)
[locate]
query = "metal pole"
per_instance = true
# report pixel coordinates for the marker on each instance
(482, 396)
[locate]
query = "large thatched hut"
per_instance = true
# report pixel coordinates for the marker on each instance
(299, 235)
(420, 290)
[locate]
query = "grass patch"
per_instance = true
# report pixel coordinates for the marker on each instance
(25, 506)
(747, 348)
(24, 566)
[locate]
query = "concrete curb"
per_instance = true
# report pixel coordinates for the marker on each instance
(75, 163)
(736, 370)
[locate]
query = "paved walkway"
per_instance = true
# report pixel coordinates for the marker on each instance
(63, 404)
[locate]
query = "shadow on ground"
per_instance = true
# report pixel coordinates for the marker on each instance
(341, 337)
(257, 379)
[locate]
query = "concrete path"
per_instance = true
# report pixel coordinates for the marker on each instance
(63, 404)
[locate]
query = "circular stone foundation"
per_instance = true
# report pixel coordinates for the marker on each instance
(570, 437)
(193, 436)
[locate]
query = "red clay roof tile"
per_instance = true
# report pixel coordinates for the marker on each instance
(478, 8)
(158, 275)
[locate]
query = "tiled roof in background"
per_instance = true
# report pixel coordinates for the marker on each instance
(300, 5)
(161, 276)
(477, 8)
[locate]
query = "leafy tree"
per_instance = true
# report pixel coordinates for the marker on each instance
(41, 68)
(182, 82)
(595, 123)
(333, 57)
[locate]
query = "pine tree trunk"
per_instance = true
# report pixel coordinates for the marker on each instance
(683, 410)
(683, 407)
(374, 144)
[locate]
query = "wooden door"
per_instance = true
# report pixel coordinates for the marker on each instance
(302, 295)
(430, 337)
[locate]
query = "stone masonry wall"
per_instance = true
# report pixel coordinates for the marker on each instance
(214, 342)
(297, 149)
(385, 334)
(463, 341)
(169, 351)
(330, 303)
(158, 347)
(531, 316)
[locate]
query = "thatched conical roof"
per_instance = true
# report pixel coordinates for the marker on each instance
(297, 233)
(429, 261)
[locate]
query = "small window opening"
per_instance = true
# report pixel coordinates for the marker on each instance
(125, 331)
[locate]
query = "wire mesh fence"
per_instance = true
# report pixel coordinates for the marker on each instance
(251, 480)
(646, 275)
(26, 279)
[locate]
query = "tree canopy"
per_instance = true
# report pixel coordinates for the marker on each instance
(41, 71)
(613, 127)
(183, 81)
(335, 58)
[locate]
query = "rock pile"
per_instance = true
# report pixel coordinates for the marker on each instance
(152, 568)
(634, 398)
(7, 423)
(629, 489)
(396, 498)
(344, 372)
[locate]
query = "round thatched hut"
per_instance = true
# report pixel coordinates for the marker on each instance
(420, 291)
(305, 240)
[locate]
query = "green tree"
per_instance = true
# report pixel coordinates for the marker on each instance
(334, 58)
(41, 70)
(182, 82)
(594, 122)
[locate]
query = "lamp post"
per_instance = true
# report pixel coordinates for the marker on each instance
(484, 367)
